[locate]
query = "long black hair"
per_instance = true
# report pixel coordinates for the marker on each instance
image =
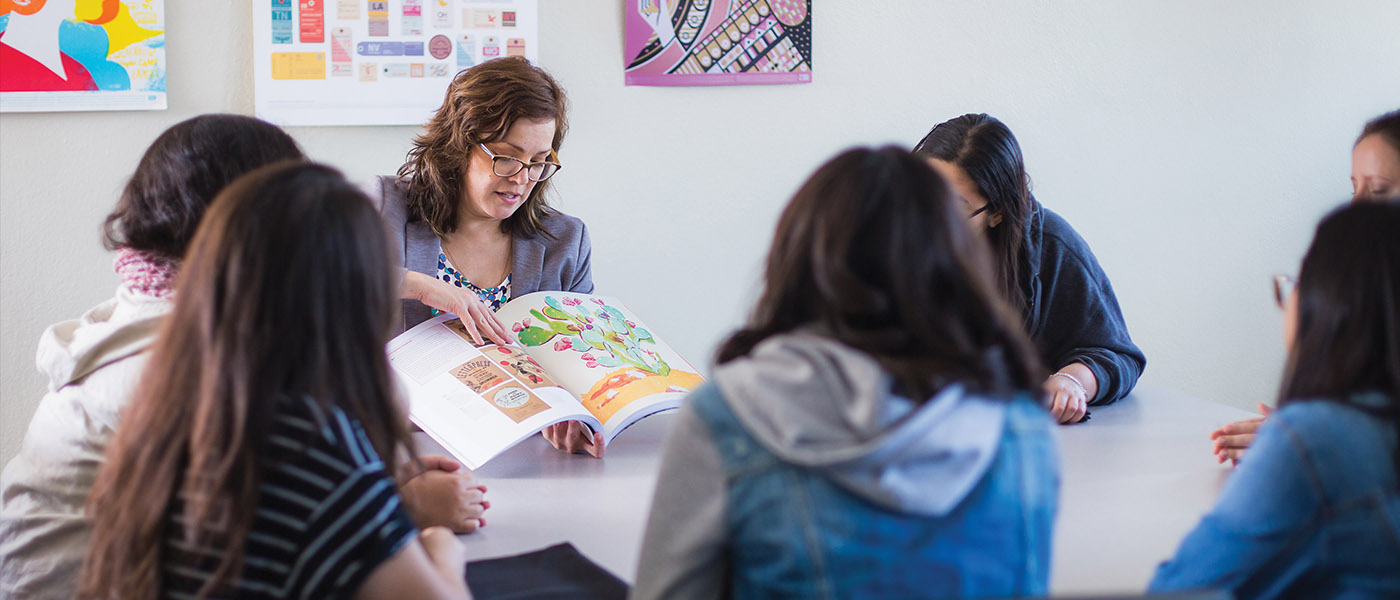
(182, 171)
(874, 250)
(987, 151)
(1347, 338)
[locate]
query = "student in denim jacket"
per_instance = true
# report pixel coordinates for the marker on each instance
(1314, 510)
(1375, 177)
(873, 431)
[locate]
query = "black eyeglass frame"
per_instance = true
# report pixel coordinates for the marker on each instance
(520, 165)
(979, 211)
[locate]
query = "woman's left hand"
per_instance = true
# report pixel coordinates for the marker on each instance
(1067, 393)
(573, 436)
(1067, 402)
(437, 491)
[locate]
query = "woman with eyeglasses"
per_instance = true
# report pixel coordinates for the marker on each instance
(1043, 268)
(1315, 510)
(469, 209)
(1375, 177)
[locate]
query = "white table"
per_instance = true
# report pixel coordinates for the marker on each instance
(1137, 477)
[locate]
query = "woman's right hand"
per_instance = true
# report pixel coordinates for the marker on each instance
(477, 318)
(1232, 439)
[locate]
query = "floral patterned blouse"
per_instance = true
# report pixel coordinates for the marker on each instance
(494, 297)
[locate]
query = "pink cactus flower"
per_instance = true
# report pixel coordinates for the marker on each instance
(572, 302)
(516, 328)
(525, 322)
(631, 324)
(599, 302)
(562, 345)
(588, 356)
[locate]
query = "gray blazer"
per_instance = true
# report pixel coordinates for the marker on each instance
(560, 261)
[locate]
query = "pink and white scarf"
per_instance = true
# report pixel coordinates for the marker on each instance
(146, 273)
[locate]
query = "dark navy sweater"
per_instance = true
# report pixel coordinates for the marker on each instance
(1071, 313)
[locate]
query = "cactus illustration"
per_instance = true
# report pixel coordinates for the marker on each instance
(600, 333)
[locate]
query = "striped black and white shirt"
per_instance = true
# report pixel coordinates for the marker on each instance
(328, 513)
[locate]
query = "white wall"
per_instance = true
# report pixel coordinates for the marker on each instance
(1193, 143)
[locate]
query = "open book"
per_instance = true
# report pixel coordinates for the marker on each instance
(580, 358)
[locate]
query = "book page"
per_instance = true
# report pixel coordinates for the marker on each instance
(476, 401)
(602, 352)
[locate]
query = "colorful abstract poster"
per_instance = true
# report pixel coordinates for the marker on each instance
(66, 55)
(376, 62)
(718, 42)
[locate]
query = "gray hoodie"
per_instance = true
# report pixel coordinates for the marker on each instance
(821, 405)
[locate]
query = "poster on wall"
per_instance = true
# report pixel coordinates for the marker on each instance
(67, 55)
(718, 42)
(376, 62)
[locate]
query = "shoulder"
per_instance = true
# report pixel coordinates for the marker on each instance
(332, 436)
(386, 192)
(1323, 423)
(563, 227)
(1344, 450)
(1060, 238)
(706, 401)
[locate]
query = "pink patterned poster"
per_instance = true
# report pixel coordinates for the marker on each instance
(718, 42)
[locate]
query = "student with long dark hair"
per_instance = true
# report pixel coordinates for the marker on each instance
(255, 458)
(873, 430)
(92, 363)
(1375, 177)
(1314, 512)
(1042, 267)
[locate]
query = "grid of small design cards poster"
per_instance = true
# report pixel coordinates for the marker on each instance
(377, 62)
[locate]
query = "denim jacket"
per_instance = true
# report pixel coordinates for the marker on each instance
(1312, 512)
(739, 513)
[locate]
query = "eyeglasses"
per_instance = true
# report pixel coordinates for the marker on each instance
(1284, 286)
(508, 166)
(979, 211)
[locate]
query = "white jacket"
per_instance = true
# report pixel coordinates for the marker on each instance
(93, 365)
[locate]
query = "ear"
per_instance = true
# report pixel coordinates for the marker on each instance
(994, 220)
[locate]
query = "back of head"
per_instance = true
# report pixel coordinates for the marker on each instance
(181, 172)
(988, 152)
(1347, 335)
(287, 292)
(873, 251)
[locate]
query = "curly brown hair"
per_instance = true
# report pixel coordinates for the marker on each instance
(481, 105)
